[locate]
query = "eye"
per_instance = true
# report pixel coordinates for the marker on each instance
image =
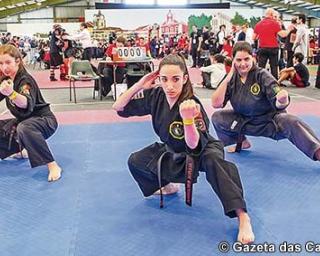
(175, 79)
(163, 79)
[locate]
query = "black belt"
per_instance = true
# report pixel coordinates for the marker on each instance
(189, 167)
(241, 136)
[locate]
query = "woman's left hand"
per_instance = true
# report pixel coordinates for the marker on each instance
(189, 109)
(6, 87)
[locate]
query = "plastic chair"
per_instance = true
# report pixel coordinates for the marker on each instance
(80, 71)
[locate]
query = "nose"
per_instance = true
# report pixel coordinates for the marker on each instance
(169, 85)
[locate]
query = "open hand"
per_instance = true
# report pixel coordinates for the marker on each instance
(147, 81)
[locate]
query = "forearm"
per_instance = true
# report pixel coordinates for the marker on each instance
(125, 98)
(191, 135)
(19, 100)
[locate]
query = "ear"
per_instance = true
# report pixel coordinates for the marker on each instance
(185, 78)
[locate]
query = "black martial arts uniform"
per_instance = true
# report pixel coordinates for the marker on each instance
(255, 113)
(208, 155)
(31, 126)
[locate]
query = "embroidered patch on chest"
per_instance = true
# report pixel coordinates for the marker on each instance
(176, 130)
(255, 89)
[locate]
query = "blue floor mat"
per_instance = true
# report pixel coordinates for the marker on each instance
(97, 209)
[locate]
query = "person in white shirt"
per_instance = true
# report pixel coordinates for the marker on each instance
(302, 38)
(221, 35)
(85, 39)
(214, 74)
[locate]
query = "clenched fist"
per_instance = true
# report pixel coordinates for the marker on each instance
(6, 87)
(189, 109)
(282, 97)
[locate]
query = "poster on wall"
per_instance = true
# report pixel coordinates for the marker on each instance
(148, 23)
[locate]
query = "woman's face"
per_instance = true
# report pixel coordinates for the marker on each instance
(8, 65)
(243, 62)
(172, 80)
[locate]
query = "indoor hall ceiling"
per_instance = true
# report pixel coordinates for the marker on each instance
(310, 7)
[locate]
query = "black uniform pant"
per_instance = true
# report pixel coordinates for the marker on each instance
(195, 56)
(271, 54)
(31, 134)
(289, 58)
(288, 126)
(108, 78)
(222, 175)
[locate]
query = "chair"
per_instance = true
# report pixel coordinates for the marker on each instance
(81, 70)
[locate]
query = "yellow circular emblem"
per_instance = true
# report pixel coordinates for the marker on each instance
(255, 89)
(176, 130)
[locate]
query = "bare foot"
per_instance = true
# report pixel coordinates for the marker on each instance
(245, 145)
(20, 155)
(54, 171)
(245, 235)
(168, 189)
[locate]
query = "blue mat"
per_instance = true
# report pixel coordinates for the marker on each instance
(97, 209)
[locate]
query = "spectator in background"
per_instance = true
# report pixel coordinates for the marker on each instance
(302, 39)
(227, 47)
(194, 46)
(143, 44)
(108, 78)
(56, 45)
(85, 39)
(214, 74)
(220, 37)
(298, 74)
(290, 39)
(267, 31)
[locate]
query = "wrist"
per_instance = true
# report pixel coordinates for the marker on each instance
(13, 95)
(188, 121)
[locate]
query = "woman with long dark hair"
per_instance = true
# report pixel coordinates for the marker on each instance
(180, 121)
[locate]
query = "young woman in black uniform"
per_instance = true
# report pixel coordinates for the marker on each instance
(33, 120)
(180, 121)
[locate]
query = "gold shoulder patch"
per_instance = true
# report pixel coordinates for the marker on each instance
(255, 89)
(276, 89)
(25, 89)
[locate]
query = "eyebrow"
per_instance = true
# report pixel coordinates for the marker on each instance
(172, 76)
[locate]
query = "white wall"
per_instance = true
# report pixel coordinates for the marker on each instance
(29, 29)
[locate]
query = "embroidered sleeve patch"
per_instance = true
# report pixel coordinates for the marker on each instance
(138, 95)
(25, 89)
(276, 89)
(199, 122)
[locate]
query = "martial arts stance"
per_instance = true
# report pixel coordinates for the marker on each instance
(258, 108)
(182, 125)
(33, 123)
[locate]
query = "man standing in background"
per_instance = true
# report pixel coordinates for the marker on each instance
(302, 38)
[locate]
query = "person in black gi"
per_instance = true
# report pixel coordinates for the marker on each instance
(180, 121)
(258, 108)
(33, 123)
